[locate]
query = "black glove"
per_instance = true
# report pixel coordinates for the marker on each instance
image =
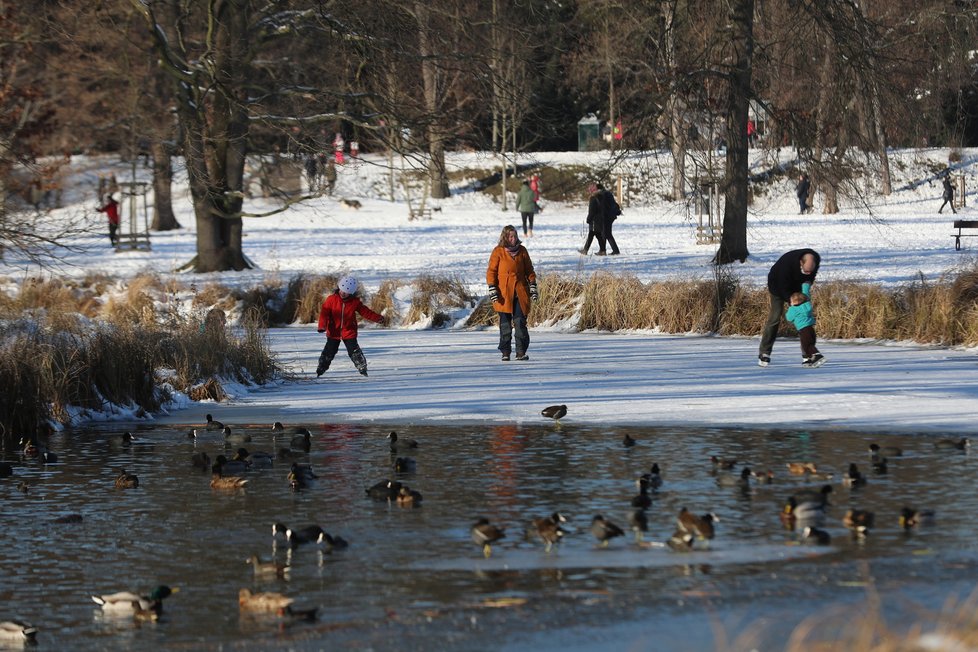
(493, 293)
(320, 330)
(534, 295)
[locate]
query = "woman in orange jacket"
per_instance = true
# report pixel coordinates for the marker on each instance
(338, 319)
(512, 287)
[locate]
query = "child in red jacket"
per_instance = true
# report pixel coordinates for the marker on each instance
(111, 209)
(338, 319)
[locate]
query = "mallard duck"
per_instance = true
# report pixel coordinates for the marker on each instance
(805, 507)
(201, 460)
(125, 602)
(653, 477)
(699, 526)
(126, 480)
(604, 530)
(23, 486)
(859, 520)
(230, 467)
(262, 602)
(953, 444)
(235, 438)
(722, 464)
(643, 500)
(887, 451)
(627, 441)
(405, 465)
(765, 477)
(306, 615)
(397, 444)
(192, 434)
(555, 412)
(853, 477)
(385, 490)
(801, 468)
(819, 497)
(221, 482)
(681, 541)
(255, 460)
(303, 471)
(639, 522)
(302, 536)
(548, 530)
(289, 454)
(301, 441)
(816, 536)
(267, 568)
(485, 534)
(911, 518)
(407, 497)
(212, 424)
(742, 480)
(15, 630)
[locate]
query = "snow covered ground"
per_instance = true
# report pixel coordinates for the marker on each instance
(627, 378)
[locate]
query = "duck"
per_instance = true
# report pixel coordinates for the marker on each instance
(334, 542)
(859, 521)
(124, 440)
(962, 444)
(765, 477)
(853, 477)
(230, 466)
(702, 527)
(604, 530)
(278, 427)
(911, 518)
(548, 529)
(639, 522)
(69, 519)
(722, 464)
(888, 451)
(290, 454)
(256, 460)
(267, 568)
(192, 434)
(485, 534)
(212, 424)
(303, 470)
(201, 460)
(742, 480)
(801, 468)
(681, 541)
(878, 464)
(385, 490)
(235, 438)
(653, 477)
(225, 482)
(12, 631)
(397, 444)
(816, 536)
(267, 602)
(407, 497)
(405, 465)
(643, 500)
(125, 602)
(126, 480)
(308, 534)
(628, 441)
(555, 412)
(819, 497)
(301, 441)
(805, 507)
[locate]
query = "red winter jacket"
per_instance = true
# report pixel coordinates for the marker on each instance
(338, 316)
(112, 210)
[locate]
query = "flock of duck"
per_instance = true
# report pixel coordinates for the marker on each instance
(804, 511)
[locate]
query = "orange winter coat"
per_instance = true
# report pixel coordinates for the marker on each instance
(512, 276)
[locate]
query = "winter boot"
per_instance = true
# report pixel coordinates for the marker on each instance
(359, 362)
(322, 366)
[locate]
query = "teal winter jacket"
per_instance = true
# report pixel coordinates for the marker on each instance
(801, 315)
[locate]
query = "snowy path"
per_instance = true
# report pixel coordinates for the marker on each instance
(627, 379)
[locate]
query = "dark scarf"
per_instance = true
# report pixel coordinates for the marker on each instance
(515, 249)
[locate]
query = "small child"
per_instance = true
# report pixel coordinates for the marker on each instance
(111, 210)
(338, 319)
(801, 315)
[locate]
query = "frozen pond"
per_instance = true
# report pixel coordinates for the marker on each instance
(413, 576)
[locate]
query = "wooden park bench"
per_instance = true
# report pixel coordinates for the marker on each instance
(960, 225)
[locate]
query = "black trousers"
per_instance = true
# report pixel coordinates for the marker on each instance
(527, 217)
(352, 349)
(807, 338)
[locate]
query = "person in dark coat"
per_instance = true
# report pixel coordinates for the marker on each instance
(948, 194)
(802, 189)
(793, 272)
(595, 221)
(611, 212)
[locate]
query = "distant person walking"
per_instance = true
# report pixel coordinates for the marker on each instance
(802, 189)
(512, 287)
(338, 319)
(793, 272)
(602, 210)
(526, 204)
(948, 193)
(803, 317)
(329, 176)
(111, 210)
(312, 172)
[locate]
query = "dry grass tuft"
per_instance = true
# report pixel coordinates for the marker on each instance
(209, 390)
(433, 294)
(307, 294)
(383, 301)
(560, 298)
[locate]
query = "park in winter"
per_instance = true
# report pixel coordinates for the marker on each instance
(488, 326)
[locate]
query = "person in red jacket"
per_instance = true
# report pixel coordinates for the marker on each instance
(338, 319)
(111, 210)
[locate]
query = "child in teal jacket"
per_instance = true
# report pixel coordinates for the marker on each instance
(803, 317)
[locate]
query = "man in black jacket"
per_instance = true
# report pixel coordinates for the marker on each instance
(794, 272)
(602, 210)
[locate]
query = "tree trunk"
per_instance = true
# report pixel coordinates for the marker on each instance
(880, 137)
(677, 131)
(163, 217)
(733, 244)
(821, 174)
(432, 100)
